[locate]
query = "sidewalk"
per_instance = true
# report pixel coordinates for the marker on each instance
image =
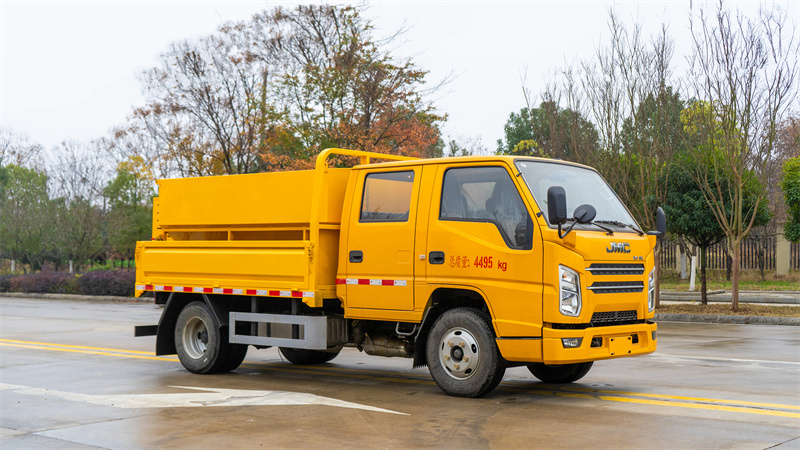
(788, 298)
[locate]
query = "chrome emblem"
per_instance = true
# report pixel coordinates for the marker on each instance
(619, 247)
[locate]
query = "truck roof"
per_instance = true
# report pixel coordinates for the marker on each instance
(509, 159)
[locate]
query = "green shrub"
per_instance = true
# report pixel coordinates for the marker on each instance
(107, 282)
(45, 283)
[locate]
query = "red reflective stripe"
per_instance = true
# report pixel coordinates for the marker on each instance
(341, 281)
(363, 281)
(274, 293)
(208, 290)
(148, 287)
(297, 294)
(227, 291)
(387, 282)
(167, 288)
(251, 292)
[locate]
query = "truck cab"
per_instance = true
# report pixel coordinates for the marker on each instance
(467, 265)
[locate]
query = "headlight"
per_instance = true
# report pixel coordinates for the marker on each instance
(569, 286)
(651, 290)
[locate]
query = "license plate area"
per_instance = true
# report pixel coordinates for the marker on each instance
(620, 345)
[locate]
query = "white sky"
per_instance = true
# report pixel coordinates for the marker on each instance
(68, 70)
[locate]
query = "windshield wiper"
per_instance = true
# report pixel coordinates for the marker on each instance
(609, 231)
(620, 224)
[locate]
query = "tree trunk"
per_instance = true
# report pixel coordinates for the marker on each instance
(703, 287)
(728, 265)
(735, 278)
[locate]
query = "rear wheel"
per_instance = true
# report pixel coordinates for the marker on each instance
(202, 347)
(564, 373)
(301, 356)
(462, 355)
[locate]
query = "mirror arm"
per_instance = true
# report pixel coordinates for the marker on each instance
(561, 236)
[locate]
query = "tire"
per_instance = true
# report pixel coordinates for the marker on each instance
(304, 357)
(565, 373)
(203, 348)
(462, 355)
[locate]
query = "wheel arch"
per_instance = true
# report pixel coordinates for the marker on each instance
(165, 341)
(443, 299)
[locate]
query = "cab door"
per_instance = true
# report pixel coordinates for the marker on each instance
(380, 241)
(481, 237)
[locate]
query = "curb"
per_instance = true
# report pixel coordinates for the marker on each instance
(785, 297)
(718, 318)
(88, 298)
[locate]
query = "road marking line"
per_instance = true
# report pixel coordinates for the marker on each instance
(198, 397)
(563, 391)
(47, 344)
(678, 397)
(89, 352)
(740, 409)
(714, 358)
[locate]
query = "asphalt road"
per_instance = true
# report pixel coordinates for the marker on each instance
(73, 376)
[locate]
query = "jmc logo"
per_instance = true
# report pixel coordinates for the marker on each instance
(619, 247)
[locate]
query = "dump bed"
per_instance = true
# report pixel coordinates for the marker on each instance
(266, 234)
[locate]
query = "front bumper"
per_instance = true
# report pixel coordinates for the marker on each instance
(609, 342)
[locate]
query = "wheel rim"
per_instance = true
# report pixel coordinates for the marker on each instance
(195, 338)
(459, 353)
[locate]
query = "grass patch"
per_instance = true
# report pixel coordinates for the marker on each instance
(725, 309)
(750, 280)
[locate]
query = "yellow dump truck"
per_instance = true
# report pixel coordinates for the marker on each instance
(467, 265)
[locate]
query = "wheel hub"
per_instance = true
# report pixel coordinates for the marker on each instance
(459, 353)
(195, 338)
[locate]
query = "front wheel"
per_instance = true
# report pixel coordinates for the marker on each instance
(201, 346)
(564, 373)
(463, 357)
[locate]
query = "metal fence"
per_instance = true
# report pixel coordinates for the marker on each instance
(757, 252)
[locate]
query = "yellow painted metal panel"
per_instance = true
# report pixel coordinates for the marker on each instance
(226, 264)
(554, 352)
(252, 200)
(523, 350)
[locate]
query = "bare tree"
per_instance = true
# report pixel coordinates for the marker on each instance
(203, 113)
(743, 72)
(77, 177)
(16, 148)
(628, 86)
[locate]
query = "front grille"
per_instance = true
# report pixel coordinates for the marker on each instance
(616, 287)
(616, 269)
(614, 317)
(603, 319)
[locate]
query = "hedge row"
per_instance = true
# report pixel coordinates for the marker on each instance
(100, 282)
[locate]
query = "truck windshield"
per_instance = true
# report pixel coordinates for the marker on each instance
(582, 186)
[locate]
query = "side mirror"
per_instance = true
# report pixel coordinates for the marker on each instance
(557, 205)
(585, 213)
(661, 222)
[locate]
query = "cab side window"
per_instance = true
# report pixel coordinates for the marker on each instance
(486, 194)
(387, 196)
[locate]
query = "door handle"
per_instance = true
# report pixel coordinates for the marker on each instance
(436, 258)
(356, 256)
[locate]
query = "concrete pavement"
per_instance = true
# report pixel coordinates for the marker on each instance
(756, 297)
